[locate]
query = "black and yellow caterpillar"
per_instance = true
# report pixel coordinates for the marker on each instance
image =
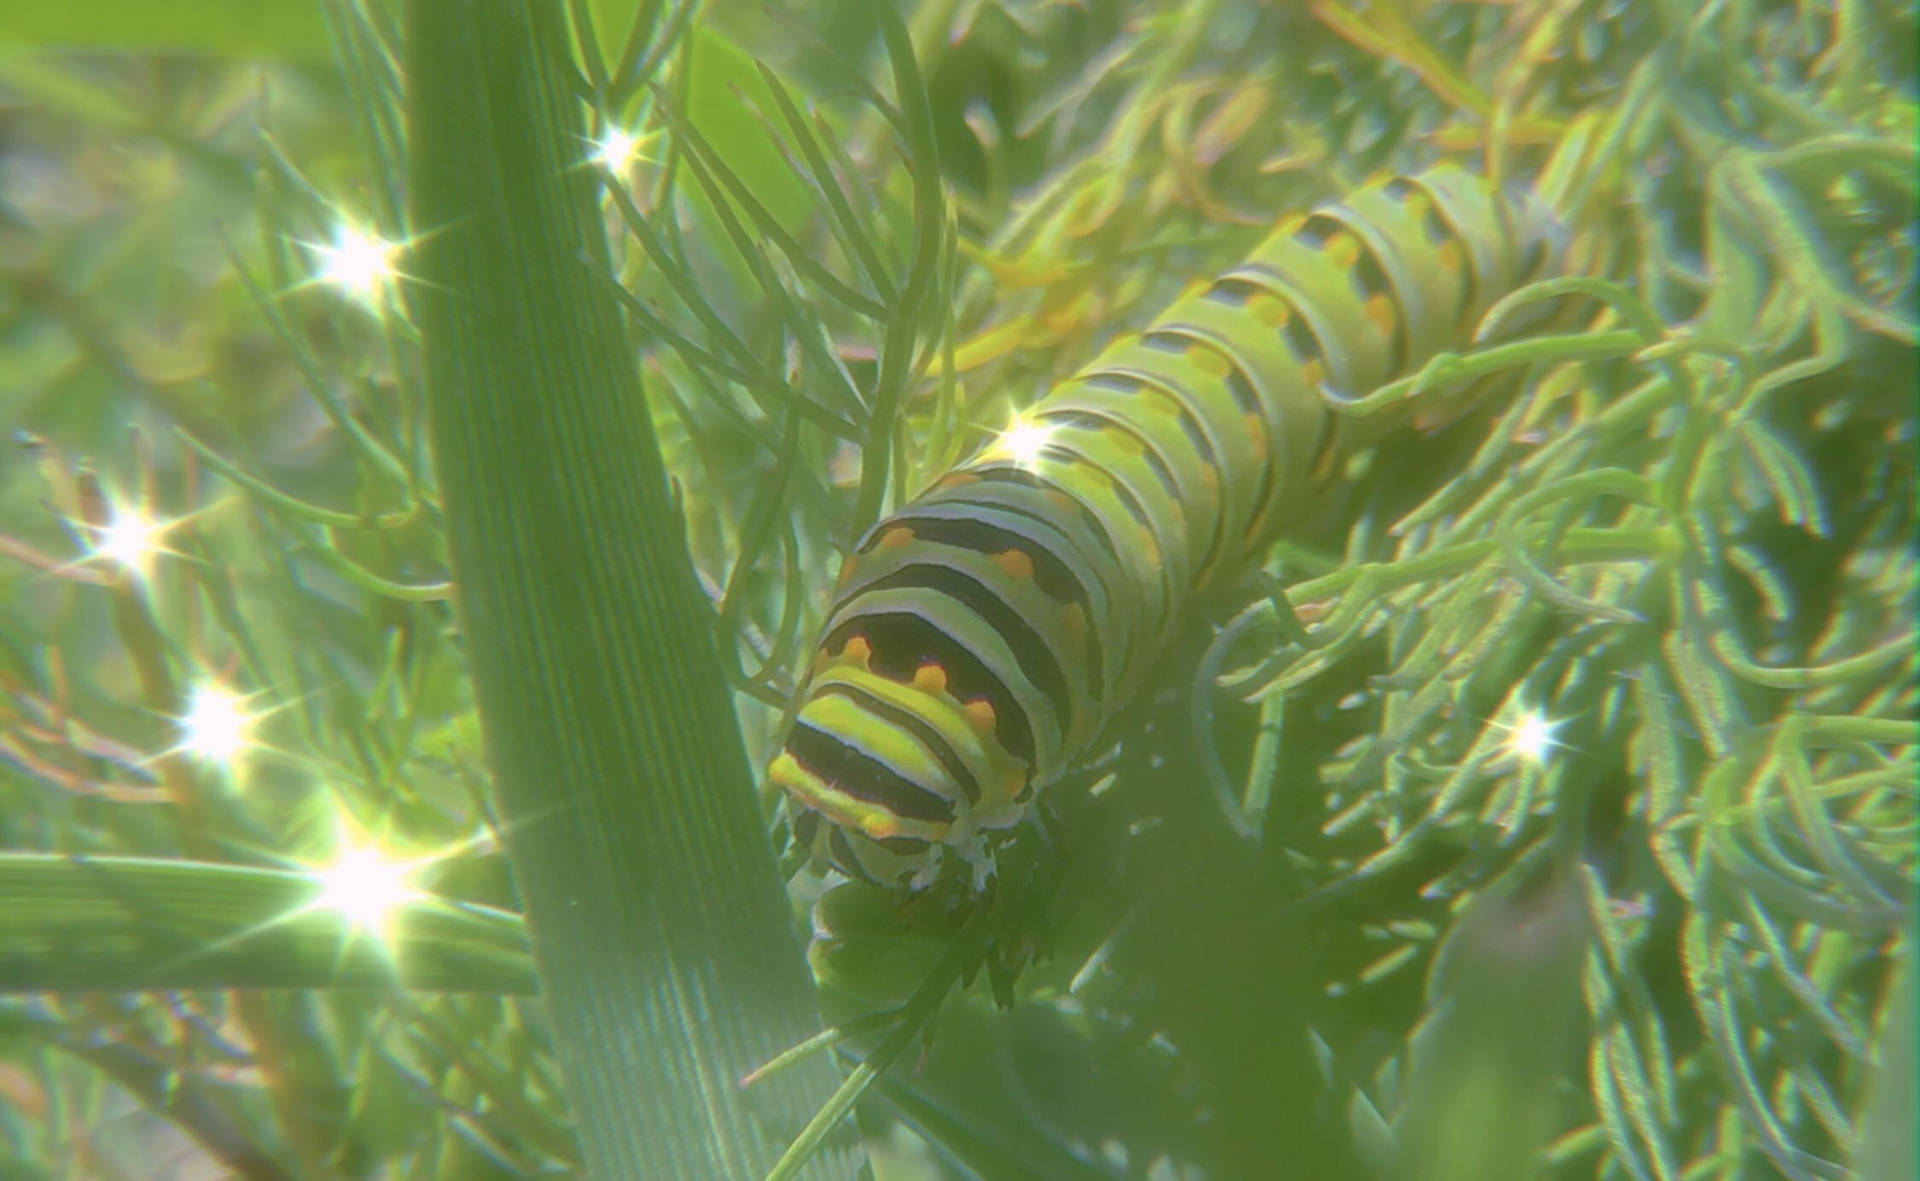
(984, 633)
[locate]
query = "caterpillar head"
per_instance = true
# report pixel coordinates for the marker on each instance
(893, 782)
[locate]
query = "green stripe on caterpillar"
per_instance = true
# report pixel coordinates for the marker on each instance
(984, 633)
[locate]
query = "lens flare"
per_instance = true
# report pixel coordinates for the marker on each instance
(615, 149)
(130, 540)
(365, 887)
(1530, 737)
(1024, 441)
(359, 263)
(217, 727)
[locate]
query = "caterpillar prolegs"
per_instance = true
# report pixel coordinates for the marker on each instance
(983, 634)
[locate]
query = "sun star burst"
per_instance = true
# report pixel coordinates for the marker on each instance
(357, 262)
(130, 540)
(1024, 441)
(217, 727)
(615, 149)
(365, 887)
(1530, 736)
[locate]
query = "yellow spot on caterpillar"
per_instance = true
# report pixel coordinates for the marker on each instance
(1208, 360)
(1380, 311)
(1448, 256)
(858, 651)
(1019, 786)
(1073, 621)
(1268, 309)
(896, 537)
(1257, 435)
(1016, 563)
(1324, 464)
(1257, 528)
(980, 716)
(881, 825)
(1314, 373)
(930, 678)
(1344, 250)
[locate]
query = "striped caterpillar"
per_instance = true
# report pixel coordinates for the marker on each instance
(983, 634)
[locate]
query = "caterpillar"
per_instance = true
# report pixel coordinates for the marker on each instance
(983, 634)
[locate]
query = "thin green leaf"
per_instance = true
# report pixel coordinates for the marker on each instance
(135, 924)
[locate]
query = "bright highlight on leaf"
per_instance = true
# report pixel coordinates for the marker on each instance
(1023, 441)
(365, 887)
(359, 263)
(216, 727)
(130, 540)
(615, 149)
(1530, 737)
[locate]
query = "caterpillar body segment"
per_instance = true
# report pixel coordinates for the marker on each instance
(984, 633)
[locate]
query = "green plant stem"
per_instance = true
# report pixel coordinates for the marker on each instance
(661, 929)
